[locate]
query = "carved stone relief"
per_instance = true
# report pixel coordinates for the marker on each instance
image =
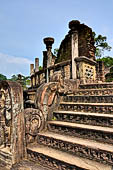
(34, 119)
(5, 117)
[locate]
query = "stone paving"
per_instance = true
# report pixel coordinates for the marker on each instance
(27, 165)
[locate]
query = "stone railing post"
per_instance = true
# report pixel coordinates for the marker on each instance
(74, 42)
(36, 64)
(48, 42)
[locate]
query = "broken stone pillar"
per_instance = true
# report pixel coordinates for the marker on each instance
(74, 46)
(48, 42)
(31, 73)
(34, 80)
(31, 69)
(100, 71)
(83, 52)
(12, 124)
(36, 64)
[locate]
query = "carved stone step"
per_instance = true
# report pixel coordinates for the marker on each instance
(88, 99)
(107, 91)
(102, 134)
(6, 157)
(59, 160)
(106, 108)
(96, 85)
(84, 118)
(77, 146)
(27, 165)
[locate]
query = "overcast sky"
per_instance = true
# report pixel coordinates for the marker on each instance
(24, 24)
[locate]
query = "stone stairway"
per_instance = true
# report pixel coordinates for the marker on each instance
(80, 135)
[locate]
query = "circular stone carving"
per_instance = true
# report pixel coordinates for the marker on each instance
(34, 121)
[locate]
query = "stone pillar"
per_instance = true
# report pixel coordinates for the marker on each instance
(74, 42)
(36, 64)
(33, 80)
(31, 73)
(48, 42)
(31, 69)
(100, 71)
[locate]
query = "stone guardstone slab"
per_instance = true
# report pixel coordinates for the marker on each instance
(12, 125)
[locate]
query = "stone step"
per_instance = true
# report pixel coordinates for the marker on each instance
(101, 134)
(5, 157)
(77, 146)
(88, 99)
(27, 165)
(59, 160)
(84, 118)
(96, 85)
(97, 92)
(106, 108)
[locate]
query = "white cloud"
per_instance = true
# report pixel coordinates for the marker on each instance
(10, 65)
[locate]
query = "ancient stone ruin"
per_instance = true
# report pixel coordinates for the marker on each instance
(67, 119)
(12, 124)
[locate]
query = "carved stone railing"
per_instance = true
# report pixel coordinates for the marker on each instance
(86, 69)
(55, 72)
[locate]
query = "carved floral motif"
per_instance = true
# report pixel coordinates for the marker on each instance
(84, 133)
(107, 109)
(77, 149)
(34, 119)
(84, 119)
(89, 99)
(50, 162)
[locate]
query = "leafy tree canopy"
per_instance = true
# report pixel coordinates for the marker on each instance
(2, 77)
(101, 45)
(108, 61)
(23, 80)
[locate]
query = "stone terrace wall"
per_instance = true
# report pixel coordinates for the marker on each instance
(55, 73)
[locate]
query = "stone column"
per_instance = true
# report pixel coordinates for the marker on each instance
(31, 73)
(100, 71)
(36, 64)
(74, 42)
(48, 42)
(31, 69)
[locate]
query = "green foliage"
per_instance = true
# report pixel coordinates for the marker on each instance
(109, 79)
(101, 45)
(14, 78)
(23, 80)
(2, 77)
(55, 52)
(108, 61)
(40, 68)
